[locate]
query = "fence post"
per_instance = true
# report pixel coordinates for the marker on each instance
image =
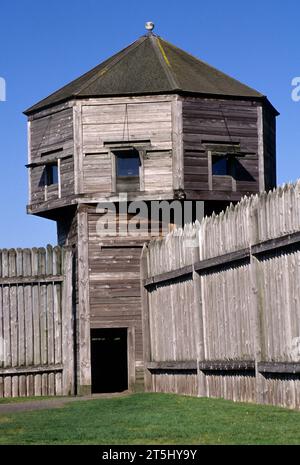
(257, 300)
(68, 323)
(198, 313)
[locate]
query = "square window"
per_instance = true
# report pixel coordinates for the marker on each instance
(221, 165)
(127, 163)
(51, 174)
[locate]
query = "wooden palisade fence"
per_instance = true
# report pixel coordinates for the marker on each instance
(221, 304)
(36, 322)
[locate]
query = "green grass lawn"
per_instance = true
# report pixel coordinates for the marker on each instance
(153, 419)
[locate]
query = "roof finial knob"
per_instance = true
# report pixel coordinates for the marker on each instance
(149, 26)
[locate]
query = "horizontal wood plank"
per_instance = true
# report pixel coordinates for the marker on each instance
(176, 366)
(226, 365)
(30, 370)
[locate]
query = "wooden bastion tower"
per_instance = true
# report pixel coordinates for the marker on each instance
(151, 123)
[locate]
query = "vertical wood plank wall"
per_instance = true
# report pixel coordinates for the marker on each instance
(36, 322)
(226, 321)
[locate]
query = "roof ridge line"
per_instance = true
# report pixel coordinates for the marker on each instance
(215, 69)
(164, 61)
(128, 49)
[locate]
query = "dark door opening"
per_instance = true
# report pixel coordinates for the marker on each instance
(109, 360)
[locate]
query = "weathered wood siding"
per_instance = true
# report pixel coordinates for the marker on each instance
(36, 322)
(138, 119)
(212, 121)
(133, 119)
(221, 303)
(97, 172)
(114, 281)
(51, 137)
(158, 172)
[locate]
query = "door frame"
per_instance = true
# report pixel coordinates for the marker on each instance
(130, 348)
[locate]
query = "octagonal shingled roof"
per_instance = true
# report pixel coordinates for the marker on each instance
(150, 65)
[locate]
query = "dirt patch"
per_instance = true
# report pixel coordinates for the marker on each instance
(50, 403)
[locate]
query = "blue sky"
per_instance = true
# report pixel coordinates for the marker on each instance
(45, 44)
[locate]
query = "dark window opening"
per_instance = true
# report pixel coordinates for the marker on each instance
(127, 163)
(221, 165)
(51, 174)
(127, 170)
(109, 360)
(241, 173)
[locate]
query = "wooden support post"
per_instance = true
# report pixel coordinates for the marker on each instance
(145, 320)
(261, 161)
(78, 152)
(68, 324)
(177, 143)
(83, 317)
(131, 357)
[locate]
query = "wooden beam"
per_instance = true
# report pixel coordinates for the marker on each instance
(78, 152)
(227, 365)
(30, 370)
(59, 177)
(261, 155)
(279, 367)
(131, 357)
(223, 260)
(200, 267)
(272, 245)
(145, 316)
(177, 144)
(68, 325)
(48, 161)
(83, 317)
(169, 275)
(31, 280)
(29, 161)
(176, 366)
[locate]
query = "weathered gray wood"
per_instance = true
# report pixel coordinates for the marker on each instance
(30, 325)
(169, 275)
(212, 264)
(131, 357)
(279, 367)
(30, 280)
(145, 318)
(276, 244)
(78, 151)
(56, 156)
(247, 295)
(177, 365)
(257, 303)
(31, 369)
(83, 318)
(177, 142)
(67, 332)
(50, 318)
(261, 148)
(227, 365)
